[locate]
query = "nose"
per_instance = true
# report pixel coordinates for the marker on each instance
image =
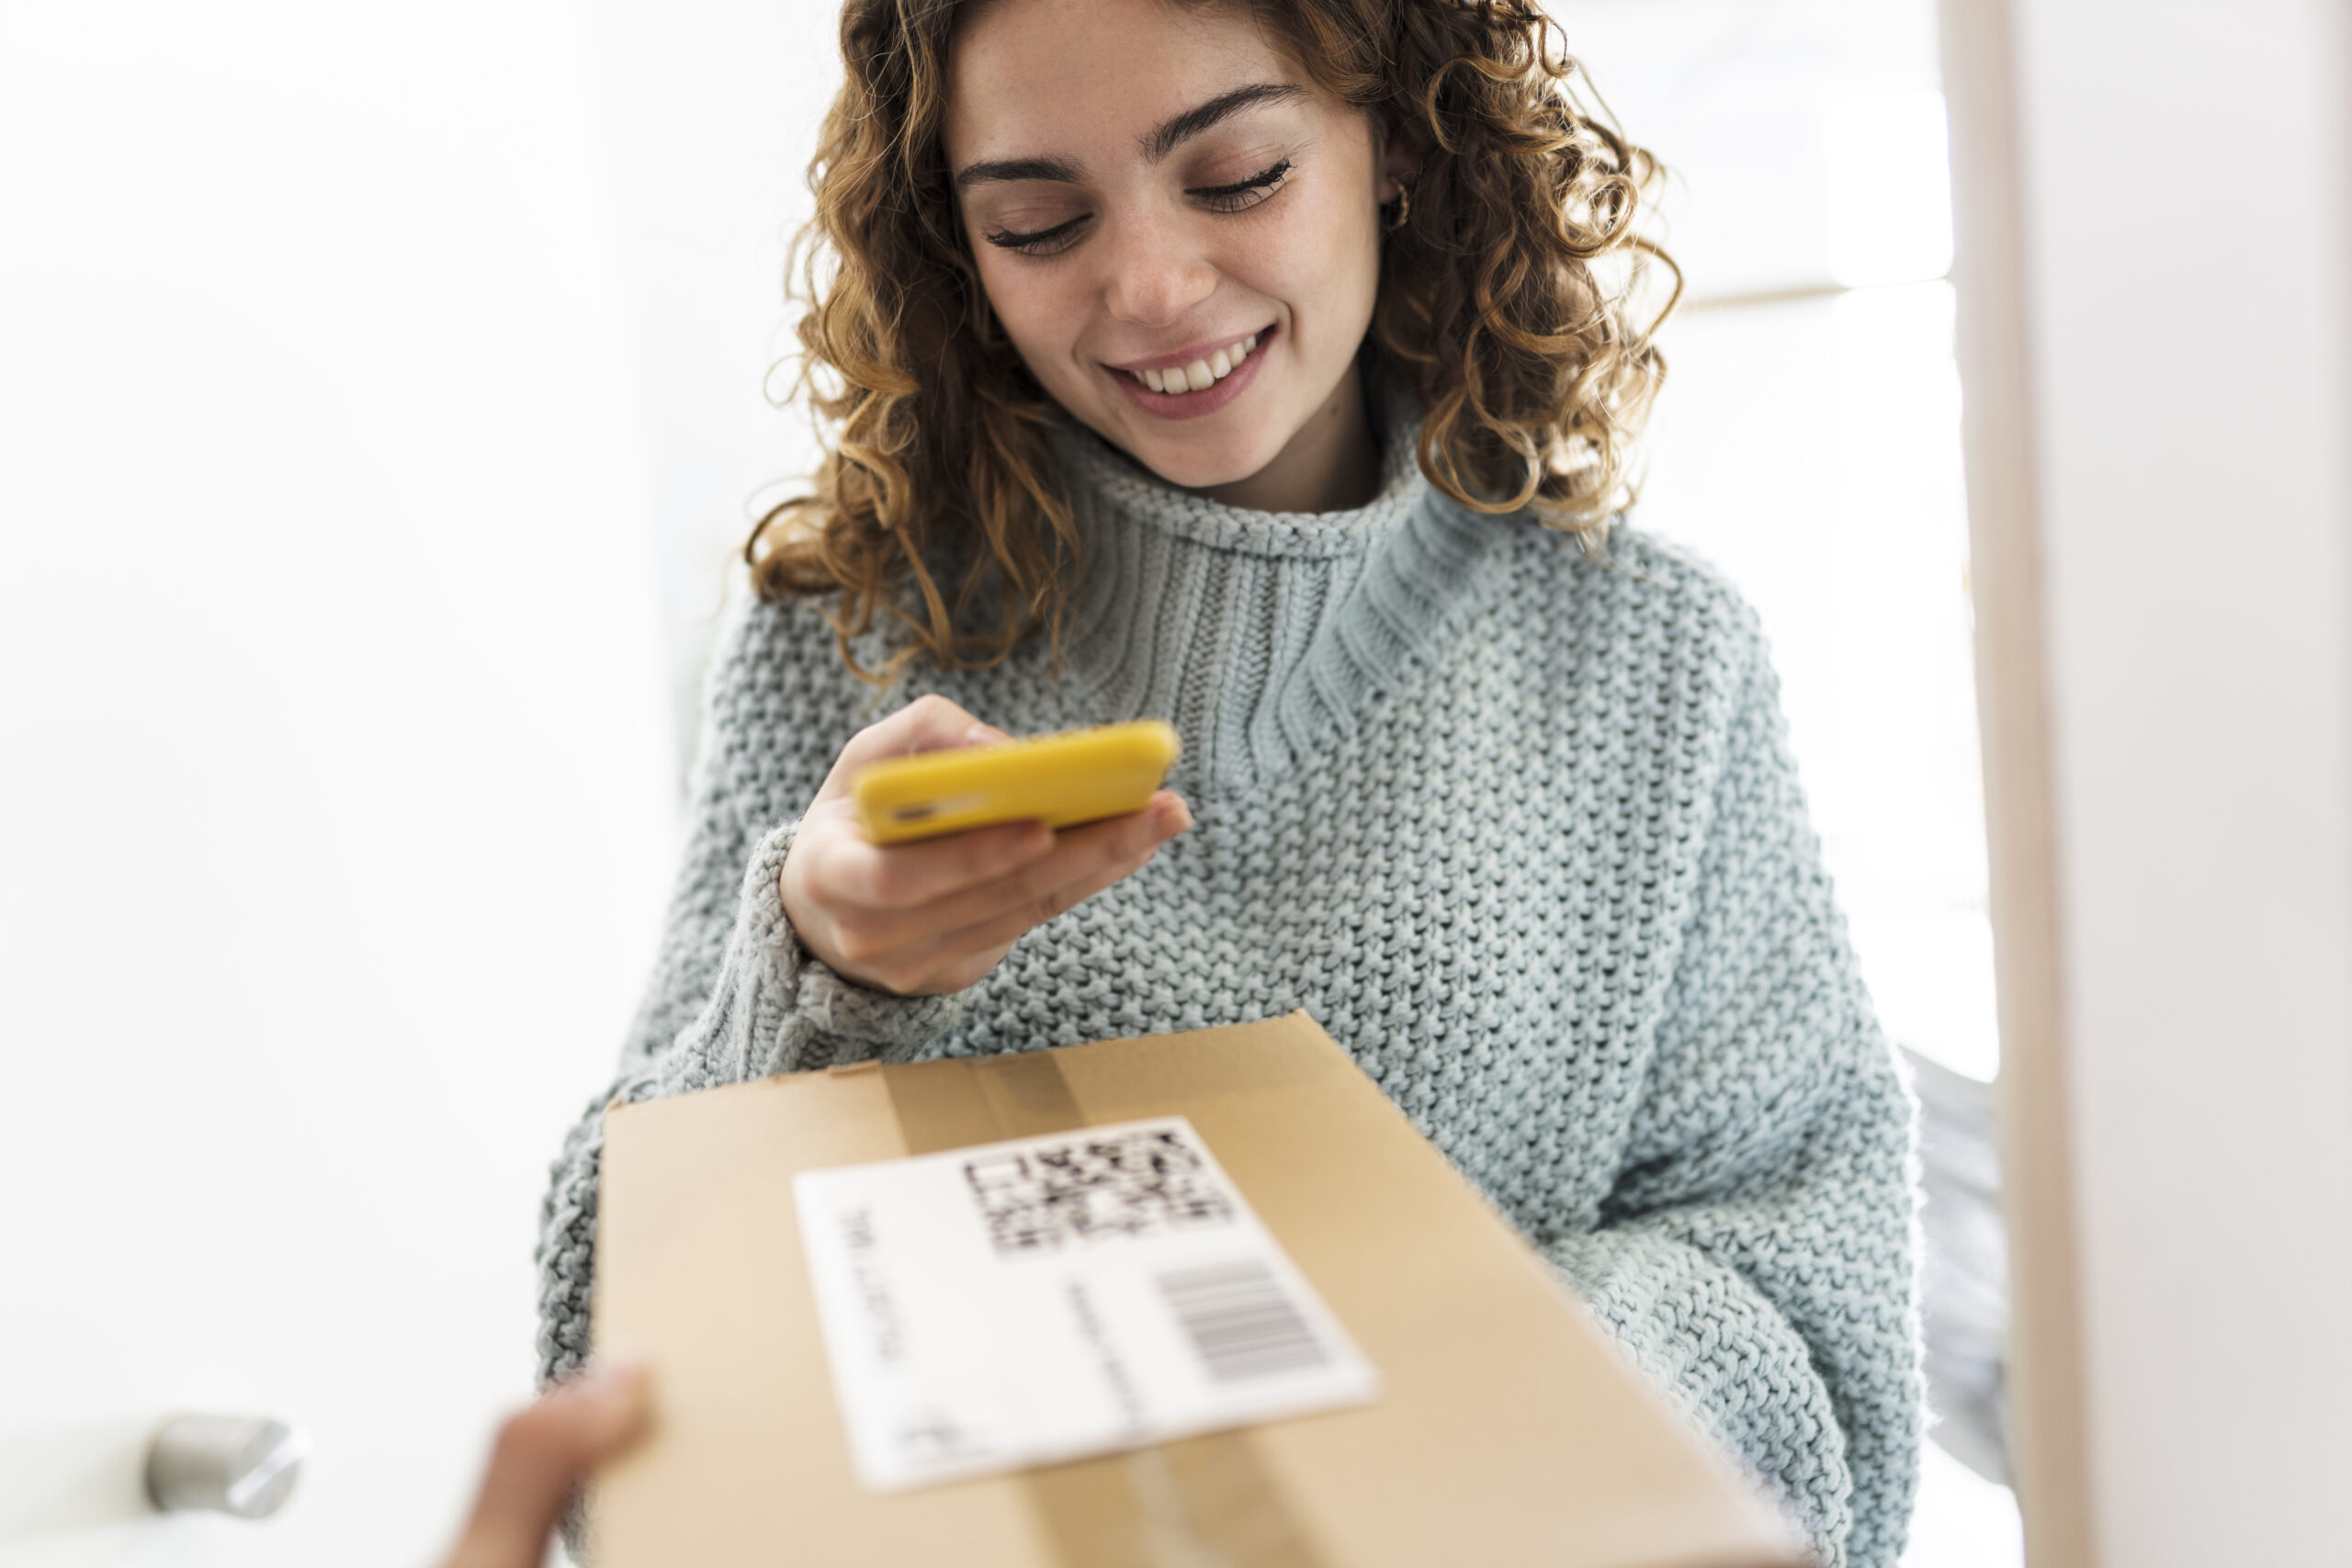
(1157, 272)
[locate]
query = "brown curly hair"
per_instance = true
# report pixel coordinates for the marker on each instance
(939, 505)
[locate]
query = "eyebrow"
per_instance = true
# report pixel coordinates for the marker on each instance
(1156, 144)
(1224, 107)
(1018, 169)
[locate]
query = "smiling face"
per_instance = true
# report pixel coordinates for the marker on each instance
(1180, 234)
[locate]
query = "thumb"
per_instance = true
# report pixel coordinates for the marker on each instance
(928, 724)
(541, 1453)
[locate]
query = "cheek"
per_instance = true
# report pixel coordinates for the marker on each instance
(1031, 304)
(1326, 267)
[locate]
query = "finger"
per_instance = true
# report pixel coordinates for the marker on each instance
(946, 946)
(879, 932)
(850, 870)
(541, 1454)
(960, 973)
(1029, 899)
(930, 723)
(1001, 930)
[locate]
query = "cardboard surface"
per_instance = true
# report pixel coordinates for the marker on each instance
(1508, 1433)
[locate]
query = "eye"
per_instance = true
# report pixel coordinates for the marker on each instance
(1242, 194)
(1041, 242)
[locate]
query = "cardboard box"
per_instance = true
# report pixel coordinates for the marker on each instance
(1507, 1431)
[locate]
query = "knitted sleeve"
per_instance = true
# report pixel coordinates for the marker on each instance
(733, 998)
(1756, 1254)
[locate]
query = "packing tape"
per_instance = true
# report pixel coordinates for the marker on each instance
(1204, 1502)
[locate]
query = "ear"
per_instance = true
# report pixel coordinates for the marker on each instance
(1402, 151)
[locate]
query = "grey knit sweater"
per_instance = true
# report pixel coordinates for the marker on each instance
(1518, 828)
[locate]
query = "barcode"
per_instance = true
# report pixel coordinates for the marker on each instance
(1242, 1321)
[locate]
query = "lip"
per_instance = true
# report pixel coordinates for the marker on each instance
(1190, 352)
(1192, 406)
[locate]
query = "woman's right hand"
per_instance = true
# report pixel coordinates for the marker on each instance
(932, 917)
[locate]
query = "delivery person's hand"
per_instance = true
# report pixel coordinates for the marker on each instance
(932, 917)
(541, 1454)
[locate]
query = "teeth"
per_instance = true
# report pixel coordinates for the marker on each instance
(1200, 374)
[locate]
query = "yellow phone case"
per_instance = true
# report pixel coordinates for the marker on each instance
(1081, 775)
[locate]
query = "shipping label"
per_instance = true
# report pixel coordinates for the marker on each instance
(1044, 1299)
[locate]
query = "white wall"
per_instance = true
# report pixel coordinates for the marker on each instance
(2187, 208)
(335, 816)
(714, 110)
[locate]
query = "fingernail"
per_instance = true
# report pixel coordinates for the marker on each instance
(621, 1408)
(1176, 816)
(983, 735)
(618, 1395)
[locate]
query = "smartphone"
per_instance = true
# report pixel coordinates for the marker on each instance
(1079, 775)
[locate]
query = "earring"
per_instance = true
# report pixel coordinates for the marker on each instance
(1403, 209)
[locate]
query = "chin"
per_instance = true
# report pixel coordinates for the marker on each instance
(1206, 463)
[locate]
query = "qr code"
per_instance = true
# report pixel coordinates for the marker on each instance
(1042, 1197)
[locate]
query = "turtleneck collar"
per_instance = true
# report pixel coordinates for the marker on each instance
(1260, 635)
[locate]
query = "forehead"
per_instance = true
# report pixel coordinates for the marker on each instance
(1089, 78)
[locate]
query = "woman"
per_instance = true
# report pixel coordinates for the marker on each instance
(1253, 367)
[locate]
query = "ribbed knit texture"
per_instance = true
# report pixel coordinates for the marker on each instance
(1518, 828)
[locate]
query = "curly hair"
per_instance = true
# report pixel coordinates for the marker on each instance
(938, 506)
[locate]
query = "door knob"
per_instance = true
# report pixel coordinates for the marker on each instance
(243, 1465)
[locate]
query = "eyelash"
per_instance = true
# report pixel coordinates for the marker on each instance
(1238, 197)
(1243, 195)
